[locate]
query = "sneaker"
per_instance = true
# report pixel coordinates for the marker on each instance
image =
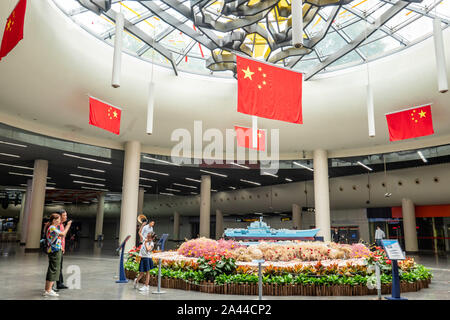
(50, 293)
(144, 289)
(135, 283)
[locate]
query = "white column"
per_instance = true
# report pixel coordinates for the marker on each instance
(219, 224)
(26, 214)
(37, 205)
(130, 191)
(296, 216)
(322, 194)
(176, 226)
(100, 214)
(409, 225)
(141, 201)
(205, 206)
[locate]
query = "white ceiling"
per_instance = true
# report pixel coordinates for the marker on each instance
(46, 79)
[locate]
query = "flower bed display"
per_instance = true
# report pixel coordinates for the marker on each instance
(288, 270)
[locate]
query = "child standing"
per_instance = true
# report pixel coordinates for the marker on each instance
(146, 261)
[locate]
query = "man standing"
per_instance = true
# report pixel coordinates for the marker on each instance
(379, 235)
(145, 229)
(60, 283)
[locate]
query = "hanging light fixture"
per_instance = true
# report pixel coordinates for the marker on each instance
(369, 99)
(118, 43)
(297, 23)
(441, 67)
(151, 94)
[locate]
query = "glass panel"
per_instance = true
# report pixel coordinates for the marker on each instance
(417, 29)
(152, 55)
(330, 44)
(352, 56)
(400, 18)
(379, 47)
(130, 9)
(443, 9)
(68, 5)
(176, 40)
(194, 65)
(96, 24)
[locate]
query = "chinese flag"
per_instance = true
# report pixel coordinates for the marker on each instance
(269, 92)
(245, 137)
(104, 116)
(13, 29)
(410, 123)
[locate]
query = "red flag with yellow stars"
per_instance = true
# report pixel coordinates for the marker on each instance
(244, 138)
(268, 91)
(410, 123)
(104, 116)
(13, 32)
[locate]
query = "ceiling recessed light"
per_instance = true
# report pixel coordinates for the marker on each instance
(214, 173)
(170, 189)
(160, 160)
(90, 183)
(364, 166)
(84, 158)
(422, 156)
(269, 174)
(155, 172)
(287, 179)
(195, 180)
(145, 186)
(232, 188)
(90, 169)
(14, 144)
(148, 179)
(239, 165)
(9, 155)
(86, 177)
(251, 182)
(14, 166)
(166, 194)
(96, 189)
(303, 166)
(185, 185)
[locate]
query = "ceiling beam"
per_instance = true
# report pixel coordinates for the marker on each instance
(385, 17)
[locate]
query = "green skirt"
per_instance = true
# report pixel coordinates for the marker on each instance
(54, 266)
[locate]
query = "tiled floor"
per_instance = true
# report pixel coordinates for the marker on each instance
(22, 276)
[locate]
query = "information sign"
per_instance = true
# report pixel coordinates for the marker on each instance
(393, 249)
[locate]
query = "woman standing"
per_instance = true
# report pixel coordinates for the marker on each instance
(53, 236)
(146, 263)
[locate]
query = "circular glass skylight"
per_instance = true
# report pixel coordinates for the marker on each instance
(202, 36)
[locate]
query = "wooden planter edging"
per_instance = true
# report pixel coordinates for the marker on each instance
(281, 290)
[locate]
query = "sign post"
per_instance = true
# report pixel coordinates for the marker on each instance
(260, 262)
(394, 252)
(122, 277)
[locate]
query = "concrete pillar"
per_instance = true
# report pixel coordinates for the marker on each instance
(322, 194)
(100, 214)
(205, 206)
(219, 224)
(409, 225)
(26, 214)
(141, 201)
(37, 205)
(130, 193)
(176, 226)
(296, 216)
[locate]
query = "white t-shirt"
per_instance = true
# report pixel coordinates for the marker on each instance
(146, 230)
(379, 234)
(144, 253)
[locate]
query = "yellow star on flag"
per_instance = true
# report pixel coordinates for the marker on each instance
(115, 114)
(248, 73)
(422, 113)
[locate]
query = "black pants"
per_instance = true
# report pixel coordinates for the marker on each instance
(61, 279)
